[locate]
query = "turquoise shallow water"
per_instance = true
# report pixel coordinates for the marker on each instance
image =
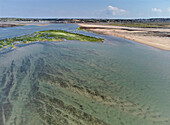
(117, 82)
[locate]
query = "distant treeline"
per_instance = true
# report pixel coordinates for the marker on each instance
(76, 20)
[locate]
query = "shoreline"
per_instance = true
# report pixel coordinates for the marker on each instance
(15, 24)
(38, 24)
(140, 35)
(5, 25)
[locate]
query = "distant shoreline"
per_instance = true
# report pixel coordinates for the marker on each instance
(14, 24)
(8, 25)
(149, 36)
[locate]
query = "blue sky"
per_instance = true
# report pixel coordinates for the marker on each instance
(85, 8)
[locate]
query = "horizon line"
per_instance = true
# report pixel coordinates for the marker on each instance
(85, 18)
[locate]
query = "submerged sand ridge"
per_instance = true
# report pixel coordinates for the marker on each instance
(155, 37)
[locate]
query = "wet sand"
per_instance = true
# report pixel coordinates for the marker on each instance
(155, 37)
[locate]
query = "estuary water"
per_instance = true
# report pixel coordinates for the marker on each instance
(118, 82)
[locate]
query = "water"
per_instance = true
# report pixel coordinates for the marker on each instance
(116, 82)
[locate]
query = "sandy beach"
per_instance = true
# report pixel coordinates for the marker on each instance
(155, 37)
(37, 24)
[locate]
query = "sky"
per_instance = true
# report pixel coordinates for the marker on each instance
(85, 8)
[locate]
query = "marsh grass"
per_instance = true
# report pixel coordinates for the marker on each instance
(49, 35)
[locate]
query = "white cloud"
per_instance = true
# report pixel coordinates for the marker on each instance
(156, 10)
(116, 11)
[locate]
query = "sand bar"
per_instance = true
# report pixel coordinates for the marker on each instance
(155, 37)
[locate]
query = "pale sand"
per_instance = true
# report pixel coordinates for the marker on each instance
(9, 24)
(39, 24)
(135, 34)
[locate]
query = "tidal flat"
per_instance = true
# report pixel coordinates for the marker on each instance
(155, 35)
(117, 82)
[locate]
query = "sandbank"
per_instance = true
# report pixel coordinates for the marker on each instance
(155, 37)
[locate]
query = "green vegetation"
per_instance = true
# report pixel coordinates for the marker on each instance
(79, 28)
(71, 36)
(50, 35)
(142, 25)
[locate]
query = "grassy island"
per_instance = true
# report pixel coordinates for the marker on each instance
(49, 35)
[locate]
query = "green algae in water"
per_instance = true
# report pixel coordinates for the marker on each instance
(83, 83)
